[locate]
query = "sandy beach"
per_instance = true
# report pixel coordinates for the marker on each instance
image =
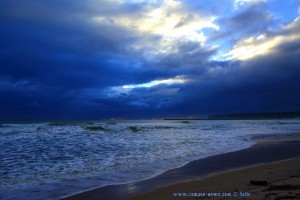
(277, 180)
(268, 170)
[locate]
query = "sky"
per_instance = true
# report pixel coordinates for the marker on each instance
(145, 59)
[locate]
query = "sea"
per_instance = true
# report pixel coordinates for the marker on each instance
(54, 160)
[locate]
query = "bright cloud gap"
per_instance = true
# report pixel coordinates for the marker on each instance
(176, 80)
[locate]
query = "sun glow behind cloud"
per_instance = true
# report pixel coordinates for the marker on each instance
(170, 21)
(263, 45)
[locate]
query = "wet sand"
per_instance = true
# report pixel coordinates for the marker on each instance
(225, 173)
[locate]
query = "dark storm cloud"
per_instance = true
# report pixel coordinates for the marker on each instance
(55, 48)
(189, 57)
(51, 51)
(268, 83)
(57, 61)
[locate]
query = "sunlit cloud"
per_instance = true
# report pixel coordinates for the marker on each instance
(118, 91)
(171, 81)
(170, 21)
(263, 44)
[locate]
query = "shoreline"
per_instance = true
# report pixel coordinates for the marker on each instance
(266, 150)
(276, 180)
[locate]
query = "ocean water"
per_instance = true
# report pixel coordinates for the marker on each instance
(52, 160)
